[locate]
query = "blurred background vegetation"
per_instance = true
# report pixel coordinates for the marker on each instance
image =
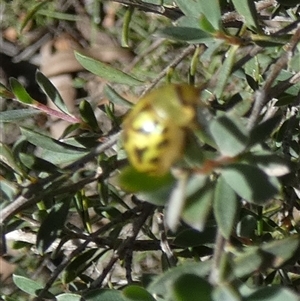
(78, 222)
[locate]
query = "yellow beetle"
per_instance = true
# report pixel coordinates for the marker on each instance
(154, 132)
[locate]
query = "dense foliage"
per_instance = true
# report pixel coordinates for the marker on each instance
(80, 223)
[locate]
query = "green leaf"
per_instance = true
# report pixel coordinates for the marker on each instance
(285, 100)
(270, 163)
(107, 72)
(205, 25)
(25, 98)
(50, 90)
(273, 293)
(212, 12)
(158, 197)
(126, 26)
(137, 293)
(8, 158)
(20, 92)
(189, 10)
(80, 264)
(29, 286)
(229, 134)
(189, 287)
(103, 295)
(68, 297)
(37, 164)
(250, 261)
(192, 238)
(226, 207)
(226, 292)
(282, 250)
(5, 93)
(58, 15)
(247, 9)
(8, 190)
(269, 41)
(250, 183)
(197, 207)
(115, 98)
(161, 284)
(261, 132)
(247, 226)
(134, 181)
(273, 254)
(186, 34)
(61, 158)
(48, 143)
(176, 203)
(88, 116)
(288, 2)
(17, 115)
(189, 22)
(225, 70)
(30, 14)
(52, 225)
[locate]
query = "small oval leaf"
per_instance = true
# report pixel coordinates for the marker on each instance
(17, 115)
(88, 116)
(137, 293)
(186, 34)
(273, 294)
(103, 295)
(212, 12)
(29, 286)
(52, 225)
(235, 133)
(250, 183)
(68, 297)
(248, 10)
(7, 156)
(189, 287)
(115, 98)
(197, 207)
(50, 90)
(20, 92)
(107, 72)
(49, 143)
(226, 207)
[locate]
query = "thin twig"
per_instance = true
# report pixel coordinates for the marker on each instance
(30, 50)
(125, 216)
(36, 191)
(172, 13)
(138, 58)
(263, 95)
(121, 252)
(214, 277)
(284, 85)
(163, 73)
(33, 194)
(164, 243)
(252, 53)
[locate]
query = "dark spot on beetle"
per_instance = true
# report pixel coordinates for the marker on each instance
(165, 130)
(163, 143)
(183, 98)
(146, 108)
(154, 160)
(139, 152)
